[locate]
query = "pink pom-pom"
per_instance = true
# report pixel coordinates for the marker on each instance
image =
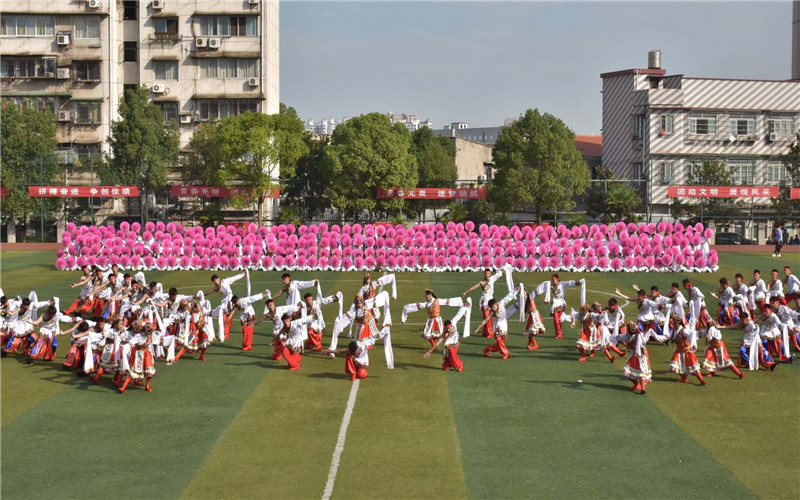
(602, 263)
(148, 262)
(700, 262)
(266, 262)
(279, 261)
(713, 258)
(149, 227)
(650, 262)
(629, 263)
(61, 264)
(554, 262)
(566, 261)
(347, 263)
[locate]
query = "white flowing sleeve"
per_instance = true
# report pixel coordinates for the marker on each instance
(388, 279)
(233, 279)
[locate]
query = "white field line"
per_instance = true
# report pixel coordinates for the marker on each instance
(337, 452)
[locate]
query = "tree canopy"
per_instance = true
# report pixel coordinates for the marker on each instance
(143, 147)
(28, 157)
(537, 166)
(366, 153)
(612, 201)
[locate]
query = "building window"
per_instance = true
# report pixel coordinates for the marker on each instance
(165, 25)
(130, 10)
(170, 110)
(638, 126)
(781, 126)
(776, 173)
(638, 171)
(700, 124)
(665, 124)
(166, 70)
(666, 173)
(742, 125)
(228, 25)
(87, 71)
(743, 172)
(27, 26)
(130, 52)
(217, 110)
(40, 103)
(28, 67)
(243, 26)
(87, 28)
(87, 112)
(219, 67)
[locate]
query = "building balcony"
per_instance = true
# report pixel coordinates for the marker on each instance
(165, 37)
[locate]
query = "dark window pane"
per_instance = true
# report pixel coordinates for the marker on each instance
(130, 54)
(129, 10)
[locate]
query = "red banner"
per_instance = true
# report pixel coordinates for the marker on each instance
(434, 193)
(722, 192)
(217, 191)
(3, 192)
(83, 191)
(794, 193)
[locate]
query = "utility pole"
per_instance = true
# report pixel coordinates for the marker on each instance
(41, 200)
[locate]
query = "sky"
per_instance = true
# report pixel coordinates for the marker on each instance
(481, 62)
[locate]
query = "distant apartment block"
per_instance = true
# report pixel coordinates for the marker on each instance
(657, 126)
(412, 122)
(200, 60)
(326, 126)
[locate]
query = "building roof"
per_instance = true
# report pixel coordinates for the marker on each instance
(635, 71)
(589, 145)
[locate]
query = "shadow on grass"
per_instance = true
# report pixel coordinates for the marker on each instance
(585, 386)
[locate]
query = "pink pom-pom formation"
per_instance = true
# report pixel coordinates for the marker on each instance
(620, 247)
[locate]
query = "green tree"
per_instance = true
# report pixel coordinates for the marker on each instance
(537, 166)
(613, 200)
(367, 153)
(305, 191)
(708, 173)
(28, 158)
(788, 209)
(143, 147)
(204, 164)
(436, 166)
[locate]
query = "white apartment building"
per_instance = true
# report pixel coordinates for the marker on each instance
(412, 122)
(201, 59)
(326, 126)
(656, 126)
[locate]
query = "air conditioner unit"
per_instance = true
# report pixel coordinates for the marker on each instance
(201, 43)
(158, 4)
(158, 88)
(214, 43)
(253, 81)
(773, 137)
(94, 4)
(63, 116)
(186, 118)
(62, 73)
(62, 39)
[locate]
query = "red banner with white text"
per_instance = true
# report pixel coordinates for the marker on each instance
(434, 193)
(217, 191)
(83, 191)
(723, 192)
(794, 193)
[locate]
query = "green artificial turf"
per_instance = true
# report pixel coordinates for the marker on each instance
(242, 426)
